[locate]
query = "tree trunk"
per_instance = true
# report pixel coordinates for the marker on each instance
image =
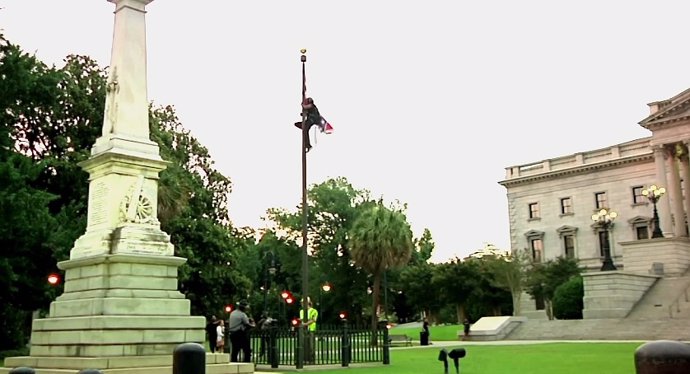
(517, 296)
(460, 312)
(548, 305)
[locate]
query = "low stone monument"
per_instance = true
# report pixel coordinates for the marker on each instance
(121, 310)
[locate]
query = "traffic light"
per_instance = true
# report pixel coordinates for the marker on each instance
(228, 308)
(342, 315)
(53, 279)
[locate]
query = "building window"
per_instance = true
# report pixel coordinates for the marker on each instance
(533, 210)
(638, 197)
(641, 226)
(600, 200)
(569, 246)
(537, 247)
(566, 205)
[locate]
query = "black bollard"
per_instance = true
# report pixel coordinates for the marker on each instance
(662, 357)
(386, 342)
(90, 371)
(443, 356)
(456, 354)
(23, 370)
(189, 358)
(345, 345)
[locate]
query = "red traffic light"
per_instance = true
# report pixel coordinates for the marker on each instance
(295, 321)
(342, 315)
(53, 279)
(285, 294)
(289, 300)
(228, 308)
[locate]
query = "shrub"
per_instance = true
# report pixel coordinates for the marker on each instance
(567, 299)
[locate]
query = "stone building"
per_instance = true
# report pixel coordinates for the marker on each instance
(551, 202)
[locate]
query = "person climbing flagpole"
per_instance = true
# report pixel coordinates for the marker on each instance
(305, 211)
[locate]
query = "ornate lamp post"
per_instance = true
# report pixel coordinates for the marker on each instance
(654, 193)
(326, 288)
(605, 219)
(270, 270)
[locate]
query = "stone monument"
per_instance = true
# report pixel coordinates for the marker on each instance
(121, 310)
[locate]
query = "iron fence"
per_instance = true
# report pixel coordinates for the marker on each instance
(276, 346)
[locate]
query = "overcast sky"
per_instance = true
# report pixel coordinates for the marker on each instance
(430, 100)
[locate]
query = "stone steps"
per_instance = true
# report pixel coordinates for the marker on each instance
(603, 329)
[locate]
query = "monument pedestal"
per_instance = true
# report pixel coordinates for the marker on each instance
(216, 363)
(120, 313)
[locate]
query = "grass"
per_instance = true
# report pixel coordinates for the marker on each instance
(542, 358)
(436, 333)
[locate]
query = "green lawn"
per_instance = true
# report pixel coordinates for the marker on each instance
(547, 358)
(437, 333)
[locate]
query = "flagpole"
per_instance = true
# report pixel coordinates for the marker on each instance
(305, 265)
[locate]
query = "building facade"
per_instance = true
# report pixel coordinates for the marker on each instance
(551, 202)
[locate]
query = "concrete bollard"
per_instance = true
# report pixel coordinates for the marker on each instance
(662, 357)
(189, 358)
(22, 370)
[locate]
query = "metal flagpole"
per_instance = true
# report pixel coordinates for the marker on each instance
(305, 265)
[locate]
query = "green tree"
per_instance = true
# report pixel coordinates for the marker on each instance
(416, 284)
(26, 86)
(509, 273)
(194, 198)
(380, 239)
(456, 281)
(333, 207)
(545, 277)
(567, 299)
(423, 248)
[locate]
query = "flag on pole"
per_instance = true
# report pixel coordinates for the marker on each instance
(325, 127)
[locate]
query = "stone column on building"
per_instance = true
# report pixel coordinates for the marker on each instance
(663, 206)
(675, 196)
(685, 175)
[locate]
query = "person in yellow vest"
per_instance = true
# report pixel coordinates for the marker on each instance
(310, 326)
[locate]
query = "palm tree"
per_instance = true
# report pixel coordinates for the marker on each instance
(380, 239)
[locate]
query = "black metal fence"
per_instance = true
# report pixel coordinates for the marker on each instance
(340, 345)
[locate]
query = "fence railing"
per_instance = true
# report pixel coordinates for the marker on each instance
(276, 346)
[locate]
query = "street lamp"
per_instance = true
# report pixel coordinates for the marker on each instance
(605, 219)
(654, 193)
(326, 287)
(270, 270)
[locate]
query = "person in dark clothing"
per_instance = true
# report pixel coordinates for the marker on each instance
(238, 330)
(313, 118)
(212, 333)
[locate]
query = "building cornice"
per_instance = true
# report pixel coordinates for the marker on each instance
(668, 111)
(582, 169)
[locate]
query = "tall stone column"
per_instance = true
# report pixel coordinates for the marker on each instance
(121, 311)
(663, 206)
(685, 175)
(676, 200)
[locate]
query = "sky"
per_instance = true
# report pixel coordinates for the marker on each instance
(431, 100)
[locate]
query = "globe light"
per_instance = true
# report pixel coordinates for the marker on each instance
(53, 279)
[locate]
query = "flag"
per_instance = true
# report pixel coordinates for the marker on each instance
(325, 126)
